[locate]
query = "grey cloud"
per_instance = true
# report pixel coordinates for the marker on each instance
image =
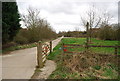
(68, 23)
(68, 7)
(62, 7)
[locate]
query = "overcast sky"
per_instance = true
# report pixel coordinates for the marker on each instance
(65, 15)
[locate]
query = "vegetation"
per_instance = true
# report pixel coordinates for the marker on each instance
(17, 47)
(61, 72)
(37, 28)
(10, 21)
(14, 36)
(81, 41)
(72, 34)
(106, 32)
(82, 65)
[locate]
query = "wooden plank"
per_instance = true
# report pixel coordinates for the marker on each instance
(73, 45)
(43, 56)
(44, 60)
(67, 45)
(103, 46)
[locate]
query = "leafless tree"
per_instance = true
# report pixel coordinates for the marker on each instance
(37, 27)
(92, 18)
(95, 19)
(106, 17)
(32, 18)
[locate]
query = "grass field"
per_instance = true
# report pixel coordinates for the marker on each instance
(81, 41)
(64, 72)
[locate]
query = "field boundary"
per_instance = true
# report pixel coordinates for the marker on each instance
(68, 46)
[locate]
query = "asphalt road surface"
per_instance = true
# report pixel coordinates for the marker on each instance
(21, 64)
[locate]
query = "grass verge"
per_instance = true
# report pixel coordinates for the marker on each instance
(18, 47)
(64, 72)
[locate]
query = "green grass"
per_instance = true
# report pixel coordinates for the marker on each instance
(102, 50)
(74, 40)
(18, 47)
(56, 52)
(109, 72)
(62, 72)
(97, 67)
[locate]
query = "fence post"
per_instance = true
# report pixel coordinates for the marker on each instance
(50, 46)
(63, 52)
(39, 54)
(87, 39)
(116, 50)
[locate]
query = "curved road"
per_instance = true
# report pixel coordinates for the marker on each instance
(21, 64)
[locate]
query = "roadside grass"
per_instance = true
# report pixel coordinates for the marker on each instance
(56, 52)
(102, 50)
(63, 72)
(17, 47)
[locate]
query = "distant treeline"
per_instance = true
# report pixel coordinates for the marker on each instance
(30, 35)
(72, 34)
(105, 32)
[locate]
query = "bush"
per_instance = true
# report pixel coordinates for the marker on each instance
(107, 33)
(20, 39)
(97, 67)
(7, 45)
(37, 28)
(31, 35)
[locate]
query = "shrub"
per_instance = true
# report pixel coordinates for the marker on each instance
(37, 28)
(107, 33)
(20, 39)
(97, 67)
(7, 45)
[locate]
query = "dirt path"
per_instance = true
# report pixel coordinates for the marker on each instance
(21, 64)
(44, 72)
(49, 66)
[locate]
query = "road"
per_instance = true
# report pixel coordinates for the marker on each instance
(21, 64)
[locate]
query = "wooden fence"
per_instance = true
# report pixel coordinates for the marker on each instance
(68, 46)
(43, 49)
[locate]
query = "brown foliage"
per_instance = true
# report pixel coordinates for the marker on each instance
(37, 28)
(83, 61)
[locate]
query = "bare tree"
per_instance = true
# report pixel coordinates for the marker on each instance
(106, 18)
(95, 19)
(92, 18)
(32, 18)
(38, 28)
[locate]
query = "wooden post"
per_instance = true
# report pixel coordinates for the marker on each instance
(39, 55)
(50, 46)
(63, 52)
(87, 39)
(116, 50)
